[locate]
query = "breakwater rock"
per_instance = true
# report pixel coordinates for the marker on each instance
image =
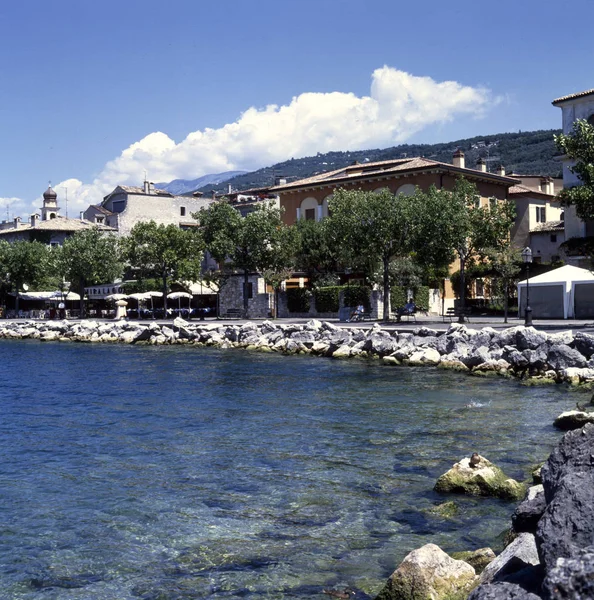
(551, 556)
(518, 351)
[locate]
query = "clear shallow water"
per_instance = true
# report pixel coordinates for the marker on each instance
(173, 473)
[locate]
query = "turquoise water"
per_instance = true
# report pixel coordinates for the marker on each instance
(171, 473)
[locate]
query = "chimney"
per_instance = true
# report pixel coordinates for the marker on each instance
(501, 171)
(151, 187)
(214, 195)
(34, 219)
(481, 165)
(147, 187)
(17, 222)
(229, 188)
(545, 185)
(458, 160)
(280, 181)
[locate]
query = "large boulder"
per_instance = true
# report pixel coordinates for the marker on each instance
(530, 510)
(573, 454)
(521, 553)
(561, 356)
(584, 343)
(528, 338)
(424, 356)
(571, 578)
(501, 591)
(428, 573)
(573, 419)
(568, 522)
(485, 479)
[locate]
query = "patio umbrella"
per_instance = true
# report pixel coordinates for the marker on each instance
(116, 297)
(178, 296)
(138, 296)
(152, 295)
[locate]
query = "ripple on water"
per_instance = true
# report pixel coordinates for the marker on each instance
(170, 472)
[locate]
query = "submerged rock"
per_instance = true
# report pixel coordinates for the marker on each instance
(485, 479)
(478, 559)
(573, 419)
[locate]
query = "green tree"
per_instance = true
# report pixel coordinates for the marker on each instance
(24, 263)
(368, 230)
(88, 258)
(165, 252)
(257, 243)
(579, 147)
(506, 261)
(472, 229)
(313, 254)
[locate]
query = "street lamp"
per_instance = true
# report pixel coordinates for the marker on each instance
(527, 259)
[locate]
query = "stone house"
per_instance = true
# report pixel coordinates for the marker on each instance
(127, 205)
(49, 227)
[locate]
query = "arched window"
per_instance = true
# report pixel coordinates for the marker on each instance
(408, 189)
(52, 215)
(309, 209)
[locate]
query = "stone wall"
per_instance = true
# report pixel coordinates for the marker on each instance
(231, 297)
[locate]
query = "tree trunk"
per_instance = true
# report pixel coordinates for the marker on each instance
(505, 299)
(81, 302)
(386, 262)
(164, 295)
(462, 289)
(245, 294)
(16, 301)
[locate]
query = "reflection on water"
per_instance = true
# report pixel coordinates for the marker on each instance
(170, 473)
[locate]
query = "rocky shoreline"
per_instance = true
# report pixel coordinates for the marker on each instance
(551, 556)
(517, 351)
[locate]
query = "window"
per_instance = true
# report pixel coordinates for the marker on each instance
(182, 211)
(310, 214)
(480, 287)
(553, 237)
(248, 290)
(541, 214)
(100, 219)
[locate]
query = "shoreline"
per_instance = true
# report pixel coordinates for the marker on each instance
(520, 352)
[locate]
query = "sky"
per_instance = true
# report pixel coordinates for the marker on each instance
(95, 94)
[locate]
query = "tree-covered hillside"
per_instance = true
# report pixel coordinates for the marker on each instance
(527, 153)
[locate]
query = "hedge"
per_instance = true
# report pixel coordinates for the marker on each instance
(399, 297)
(355, 295)
(327, 298)
(297, 300)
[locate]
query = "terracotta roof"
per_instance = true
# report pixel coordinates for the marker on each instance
(101, 209)
(522, 190)
(387, 167)
(58, 224)
(549, 226)
(572, 96)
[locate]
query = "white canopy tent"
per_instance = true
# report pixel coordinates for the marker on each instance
(562, 293)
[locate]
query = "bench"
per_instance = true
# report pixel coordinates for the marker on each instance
(457, 312)
(232, 313)
(406, 312)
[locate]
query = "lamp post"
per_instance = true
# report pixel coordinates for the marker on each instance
(527, 259)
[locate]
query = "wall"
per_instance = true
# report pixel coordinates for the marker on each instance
(231, 297)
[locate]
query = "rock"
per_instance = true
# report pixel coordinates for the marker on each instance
(390, 360)
(381, 343)
(428, 573)
(427, 356)
(483, 480)
(537, 359)
(573, 419)
(572, 578)
(527, 338)
(447, 510)
(561, 356)
(501, 591)
(342, 352)
(562, 337)
(568, 522)
(521, 553)
(304, 337)
(478, 559)
(476, 357)
(320, 348)
(528, 513)
(584, 343)
(573, 454)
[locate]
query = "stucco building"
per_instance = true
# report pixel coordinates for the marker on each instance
(48, 227)
(573, 107)
(128, 205)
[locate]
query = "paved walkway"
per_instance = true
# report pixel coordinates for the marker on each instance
(432, 321)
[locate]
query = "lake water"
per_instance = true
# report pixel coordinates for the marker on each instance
(172, 472)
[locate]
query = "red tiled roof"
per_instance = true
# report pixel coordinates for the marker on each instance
(572, 96)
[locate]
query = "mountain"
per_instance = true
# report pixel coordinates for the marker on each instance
(184, 186)
(525, 153)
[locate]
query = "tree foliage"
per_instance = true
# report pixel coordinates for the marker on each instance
(165, 252)
(579, 147)
(87, 258)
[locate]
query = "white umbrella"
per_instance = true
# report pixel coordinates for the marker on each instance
(178, 296)
(138, 296)
(116, 297)
(152, 295)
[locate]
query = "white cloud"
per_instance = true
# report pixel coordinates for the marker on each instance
(399, 105)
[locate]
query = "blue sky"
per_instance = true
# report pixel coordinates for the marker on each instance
(94, 93)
